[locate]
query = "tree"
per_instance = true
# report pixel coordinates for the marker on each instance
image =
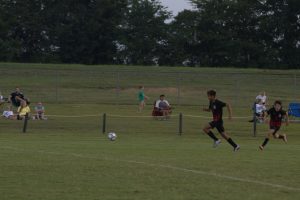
(144, 33)
(86, 31)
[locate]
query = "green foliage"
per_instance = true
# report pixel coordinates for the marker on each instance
(247, 33)
(144, 33)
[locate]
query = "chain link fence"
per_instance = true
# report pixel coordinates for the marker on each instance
(65, 86)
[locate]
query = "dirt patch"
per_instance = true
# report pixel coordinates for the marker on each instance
(152, 90)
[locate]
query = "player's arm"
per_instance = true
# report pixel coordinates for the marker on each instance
(229, 111)
(287, 120)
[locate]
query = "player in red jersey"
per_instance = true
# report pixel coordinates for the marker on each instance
(216, 107)
(277, 114)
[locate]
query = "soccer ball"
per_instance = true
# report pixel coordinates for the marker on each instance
(112, 136)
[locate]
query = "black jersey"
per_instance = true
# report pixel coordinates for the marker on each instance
(13, 98)
(217, 109)
(276, 117)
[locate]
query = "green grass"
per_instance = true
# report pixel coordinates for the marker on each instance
(69, 158)
(119, 84)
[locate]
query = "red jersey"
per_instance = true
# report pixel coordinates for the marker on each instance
(276, 117)
(217, 109)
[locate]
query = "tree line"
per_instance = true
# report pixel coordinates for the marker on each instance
(236, 33)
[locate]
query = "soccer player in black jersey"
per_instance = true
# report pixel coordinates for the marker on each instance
(276, 116)
(216, 107)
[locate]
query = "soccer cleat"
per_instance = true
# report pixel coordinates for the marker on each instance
(284, 138)
(261, 147)
(237, 148)
(217, 143)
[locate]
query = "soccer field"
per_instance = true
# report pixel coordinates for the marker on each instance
(68, 157)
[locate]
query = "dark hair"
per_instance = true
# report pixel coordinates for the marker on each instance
(211, 93)
(162, 95)
(278, 102)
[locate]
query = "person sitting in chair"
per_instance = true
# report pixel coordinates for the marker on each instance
(163, 106)
(39, 112)
(8, 113)
(23, 110)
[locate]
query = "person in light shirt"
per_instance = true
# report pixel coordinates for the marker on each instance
(39, 112)
(8, 114)
(163, 106)
(262, 97)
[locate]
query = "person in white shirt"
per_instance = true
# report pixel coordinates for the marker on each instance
(262, 97)
(8, 114)
(260, 110)
(163, 106)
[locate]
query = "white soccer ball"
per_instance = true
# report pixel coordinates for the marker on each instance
(112, 136)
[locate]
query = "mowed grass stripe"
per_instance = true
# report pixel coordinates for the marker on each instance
(166, 166)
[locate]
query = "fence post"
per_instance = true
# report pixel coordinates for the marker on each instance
(56, 87)
(104, 123)
(295, 87)
(117, 87)
(254, 120)
(180, 123)
(25, 123)
(179, 78)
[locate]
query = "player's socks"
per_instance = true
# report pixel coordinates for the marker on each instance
(280, 137)
(283, 137)
(212, 135)
(230, 141)
(265, 142)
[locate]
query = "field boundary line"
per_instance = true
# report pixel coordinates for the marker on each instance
(232, 178)
(206, 117)
(73, 116)
(139, 116)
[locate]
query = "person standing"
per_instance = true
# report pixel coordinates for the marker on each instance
(261, 97)
(142, 98)
(16, 97)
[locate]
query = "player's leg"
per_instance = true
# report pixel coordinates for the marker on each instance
(267, 139)
(235, 146)
(207, 129)
(141, 105)
(276, 135)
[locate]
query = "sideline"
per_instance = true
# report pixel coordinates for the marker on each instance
(232, 178)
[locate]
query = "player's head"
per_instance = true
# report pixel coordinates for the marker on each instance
(162, 97)
(277, 105)
(18, 90)
(211, 94)
(141, 87)
(23, 103)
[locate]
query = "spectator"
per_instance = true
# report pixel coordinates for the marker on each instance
(8, 114)
(163, 106)
(16, 97)
(260, 110)
(262, 97)
(142, 98)
(23, 110)
(39, 111)
(2, 101)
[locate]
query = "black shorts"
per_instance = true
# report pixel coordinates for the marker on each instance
(218, 125)
(275, 128)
